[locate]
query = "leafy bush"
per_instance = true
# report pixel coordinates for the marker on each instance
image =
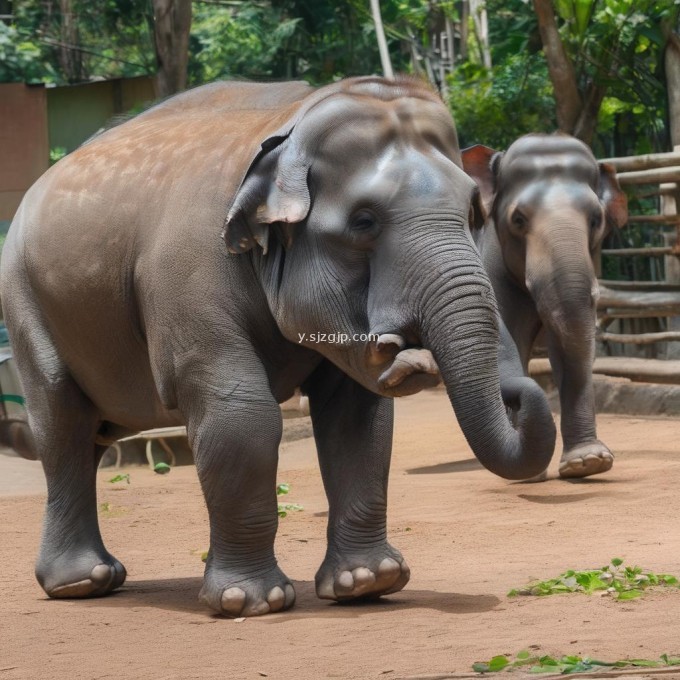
(226, 43)
(497, 107)
(21, 59)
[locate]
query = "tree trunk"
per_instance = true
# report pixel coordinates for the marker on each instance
(481, 24)
(70, 56)
(172, 23)
(586, 124)
(672, 64)
(382, 41)
(464, 27)
(562, 75)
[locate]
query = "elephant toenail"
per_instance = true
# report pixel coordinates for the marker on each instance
(324, 590)
(363, 578)
(101, 575)
(276, 598)
(346, 580)
(388, 567)
(233, 600)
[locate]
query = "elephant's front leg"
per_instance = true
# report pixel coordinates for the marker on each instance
(235, 441)
(353, 432)
(583, 453)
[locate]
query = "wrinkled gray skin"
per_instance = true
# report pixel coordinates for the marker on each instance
(127, 312)
(549, 206)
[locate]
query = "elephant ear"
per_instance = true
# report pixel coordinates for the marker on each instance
(614, 199)
(478, 213)
(274, 192)
(481, 163)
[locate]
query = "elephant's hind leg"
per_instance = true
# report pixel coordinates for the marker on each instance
(353, 432)
(73, 561)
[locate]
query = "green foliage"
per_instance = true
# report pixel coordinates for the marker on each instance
(228, 42)
(319, 40)
(108, 510)
(618, 45)
(566, 664)
(120, 478)
(615, 44)
(284, 508)
(161, 468)
(22, 58)
(57, 153)
(109, 38)
(626, 583)
(495, 108)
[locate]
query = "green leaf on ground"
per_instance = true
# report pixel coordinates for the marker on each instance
(498, 663)
(565, 665)
(162, 468)
(120, 478)
(625, 583)
(285, 508)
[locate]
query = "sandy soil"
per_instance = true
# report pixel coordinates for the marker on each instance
(469, 537)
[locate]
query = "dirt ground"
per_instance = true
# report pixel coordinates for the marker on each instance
(468, 536)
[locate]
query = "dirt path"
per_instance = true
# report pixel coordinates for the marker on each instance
(468, 536)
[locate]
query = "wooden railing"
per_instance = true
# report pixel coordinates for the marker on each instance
(648, 176)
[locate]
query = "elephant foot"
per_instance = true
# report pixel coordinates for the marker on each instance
(344, 577)
(585, 460)
(80, 575)
(235, 595)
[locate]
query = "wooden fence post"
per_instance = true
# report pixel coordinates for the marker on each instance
(669, 206)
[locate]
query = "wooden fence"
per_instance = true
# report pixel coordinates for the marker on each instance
(643, 313)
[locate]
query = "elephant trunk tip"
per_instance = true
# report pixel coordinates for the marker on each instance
(534, 422)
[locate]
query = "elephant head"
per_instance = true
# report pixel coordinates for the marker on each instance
(355, 216)
(551, 204)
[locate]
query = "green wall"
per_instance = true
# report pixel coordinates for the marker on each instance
(76, 112)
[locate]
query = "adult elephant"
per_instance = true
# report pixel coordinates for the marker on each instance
(344, 211)
(549, 205)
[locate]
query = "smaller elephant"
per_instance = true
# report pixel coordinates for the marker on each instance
(548, 206)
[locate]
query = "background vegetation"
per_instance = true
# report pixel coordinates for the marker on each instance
(595, 68)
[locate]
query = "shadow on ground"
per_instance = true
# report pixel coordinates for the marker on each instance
(182, 595)
(467, 465)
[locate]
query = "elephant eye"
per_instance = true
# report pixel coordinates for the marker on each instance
(595, 221)
(363, 220)
(518, 219)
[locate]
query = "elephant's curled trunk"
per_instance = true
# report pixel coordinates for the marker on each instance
(460, 326)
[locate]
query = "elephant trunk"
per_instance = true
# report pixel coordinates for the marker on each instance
(565, 290)
(459, 324)
(561, 279)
